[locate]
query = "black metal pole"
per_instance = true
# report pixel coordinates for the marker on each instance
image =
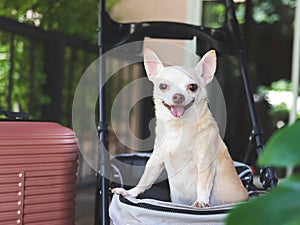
(268, 175)
(102, 188)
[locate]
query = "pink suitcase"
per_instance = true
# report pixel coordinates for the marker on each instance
(38, 163)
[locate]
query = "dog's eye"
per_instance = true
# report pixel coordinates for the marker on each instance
(163, 86)
(192, 87)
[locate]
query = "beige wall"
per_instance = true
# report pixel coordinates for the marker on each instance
(150, 10)
(184, 11)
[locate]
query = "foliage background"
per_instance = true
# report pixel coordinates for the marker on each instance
(267, 26)
(22, 66)
(268, 31)
(70, 17)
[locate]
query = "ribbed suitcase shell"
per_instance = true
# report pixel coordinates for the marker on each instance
(38, 163)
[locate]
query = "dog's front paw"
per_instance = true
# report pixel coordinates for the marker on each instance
(121, 191)
(201, 204)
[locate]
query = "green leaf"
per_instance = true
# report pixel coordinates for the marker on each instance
(279, 207)
(283, 148)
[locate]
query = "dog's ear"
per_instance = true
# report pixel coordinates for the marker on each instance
(152, 63)
(206, 68)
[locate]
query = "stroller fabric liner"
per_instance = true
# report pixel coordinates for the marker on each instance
(133, 211)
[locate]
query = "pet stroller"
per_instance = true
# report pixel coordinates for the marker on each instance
(226, 41)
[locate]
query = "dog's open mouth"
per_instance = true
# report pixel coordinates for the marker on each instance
(178, 110)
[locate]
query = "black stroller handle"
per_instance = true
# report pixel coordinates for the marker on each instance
(268, 176)
(122, 33)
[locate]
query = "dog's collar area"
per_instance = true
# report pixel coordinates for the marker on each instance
(178, 110)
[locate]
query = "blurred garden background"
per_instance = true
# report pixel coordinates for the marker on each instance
(45, 47)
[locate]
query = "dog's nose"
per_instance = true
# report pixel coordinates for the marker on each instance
(178, 98)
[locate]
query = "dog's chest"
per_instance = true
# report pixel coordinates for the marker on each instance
(172, 140)
(176, 147)
(183, 145)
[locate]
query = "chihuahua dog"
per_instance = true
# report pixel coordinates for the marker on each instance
(188, 144)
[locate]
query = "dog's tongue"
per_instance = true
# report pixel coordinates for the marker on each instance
(177, 111)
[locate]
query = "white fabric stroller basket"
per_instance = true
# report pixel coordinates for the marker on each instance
(153, 212)
(154, 207)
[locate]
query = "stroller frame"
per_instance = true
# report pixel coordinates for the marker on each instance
(226, 41)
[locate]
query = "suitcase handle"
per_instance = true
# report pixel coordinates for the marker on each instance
(14, 115)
